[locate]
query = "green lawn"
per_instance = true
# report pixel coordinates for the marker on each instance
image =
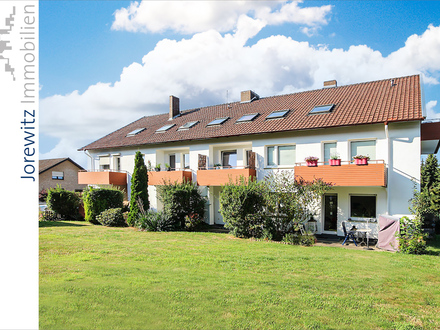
(93, 277)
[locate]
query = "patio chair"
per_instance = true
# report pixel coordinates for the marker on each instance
(348, 234)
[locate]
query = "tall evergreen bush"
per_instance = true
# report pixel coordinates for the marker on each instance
(139, 189)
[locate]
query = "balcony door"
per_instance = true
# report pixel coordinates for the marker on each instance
(330, 213)
(229, 159)
(173, 162)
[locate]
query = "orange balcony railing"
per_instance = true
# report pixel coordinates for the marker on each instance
(347, 174)
(165, 177)
(218, 177)
(117, 178)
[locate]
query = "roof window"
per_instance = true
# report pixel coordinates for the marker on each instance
(218, 121)
(278, 114)
(188, 125)
(165, 128)
(136, 131)
(322, 109)
(247, 118)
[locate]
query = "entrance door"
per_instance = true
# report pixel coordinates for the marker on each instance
(330, 212)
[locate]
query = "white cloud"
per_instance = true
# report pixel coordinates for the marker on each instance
(202, 68)
(190, 17)
(430, 112)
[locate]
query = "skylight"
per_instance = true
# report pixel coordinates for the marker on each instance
(165, 128)
(188, 125)
(247, 118)
(218, 121)
(322, 109)
(277, 114)
(136, 131)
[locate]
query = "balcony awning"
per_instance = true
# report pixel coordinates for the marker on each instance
(430, 137)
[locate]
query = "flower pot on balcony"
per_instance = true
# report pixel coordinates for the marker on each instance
(312, 163)
(335, 162)
(361, 161)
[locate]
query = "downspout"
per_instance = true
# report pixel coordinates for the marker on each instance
(92, 167)
(387, 136)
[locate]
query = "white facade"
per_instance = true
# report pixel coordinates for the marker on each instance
(397, 144)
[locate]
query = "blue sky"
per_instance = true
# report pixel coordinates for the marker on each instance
(104, 64)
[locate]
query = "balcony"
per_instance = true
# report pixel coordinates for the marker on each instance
(116, 178)
(218, 177)
(346, 175)
(165, 177)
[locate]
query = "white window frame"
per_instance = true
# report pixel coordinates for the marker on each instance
(361, 140)
(323, 143)
(276, 155)
(56, 176)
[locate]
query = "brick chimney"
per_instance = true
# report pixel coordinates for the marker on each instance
(249, 96)
(174, 107)
(330, 83)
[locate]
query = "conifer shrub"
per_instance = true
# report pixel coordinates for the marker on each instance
(139, 188)
(63, 202)
(111, 218)
(97, 200)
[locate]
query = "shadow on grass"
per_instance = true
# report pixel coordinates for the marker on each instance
(433, 246)
(63, 223)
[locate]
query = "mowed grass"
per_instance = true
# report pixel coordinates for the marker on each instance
(94, 277)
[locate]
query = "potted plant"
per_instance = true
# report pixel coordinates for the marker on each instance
(335, 160)
(167, 167)
(217, 166)
(311, 161)
(361, 160)
(157, 167)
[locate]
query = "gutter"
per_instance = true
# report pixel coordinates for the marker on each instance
(387, 136)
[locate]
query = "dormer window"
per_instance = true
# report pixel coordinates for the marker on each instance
(322, 109)
(165, 128)
(247, 118)
(278, 114)
(218, 121)
(136, 131)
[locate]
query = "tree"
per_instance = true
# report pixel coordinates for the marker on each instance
(430, 183)
(139, 188)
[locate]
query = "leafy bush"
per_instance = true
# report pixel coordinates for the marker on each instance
(97, 200)
(139, 188)
(193, 221)
(242, 205)
(180, 200)
(42, 195)
(411, 238)
(48, 215)
(63, 202)
(298, 239)
(111, 218)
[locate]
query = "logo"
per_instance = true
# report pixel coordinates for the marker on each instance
(5, 44)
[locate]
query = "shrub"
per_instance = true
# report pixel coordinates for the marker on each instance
(48, 215)
(63, 202)
(111, 218)
(241, 205)
(97, 200)
(139, 188)
(180, 200)
(193, 221)
(42, 195)
(152, 221)
(411, 239)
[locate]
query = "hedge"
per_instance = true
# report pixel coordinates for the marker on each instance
(97, 200)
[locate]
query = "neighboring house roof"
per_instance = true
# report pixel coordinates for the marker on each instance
(47, 164)
(397, 99)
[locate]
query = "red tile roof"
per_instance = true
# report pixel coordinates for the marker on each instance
(357, 104)
(46, 164)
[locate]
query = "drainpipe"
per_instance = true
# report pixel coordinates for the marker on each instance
(92, 167)
(389, 166)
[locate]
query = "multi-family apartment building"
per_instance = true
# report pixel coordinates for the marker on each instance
(256, 135)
